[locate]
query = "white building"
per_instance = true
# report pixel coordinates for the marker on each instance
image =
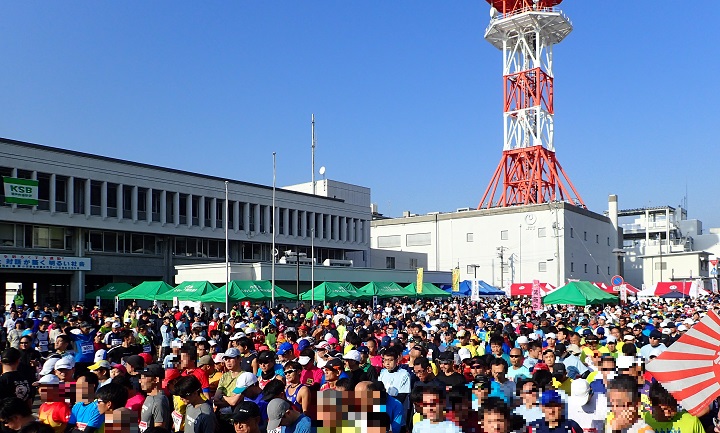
(550, 242)
(102, 220)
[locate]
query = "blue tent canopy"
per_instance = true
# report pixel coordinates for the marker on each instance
(485, 289)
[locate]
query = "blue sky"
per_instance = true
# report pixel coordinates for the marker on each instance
(406, 94)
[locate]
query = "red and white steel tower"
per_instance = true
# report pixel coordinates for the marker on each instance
(529, 172)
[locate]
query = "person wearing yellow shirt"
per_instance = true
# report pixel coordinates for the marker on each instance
(464, 337)
(610, 347)
(560, 380)
(665, 417)
(623, 400)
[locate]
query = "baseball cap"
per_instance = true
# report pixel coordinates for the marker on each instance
(10, 356)
(629, 337)
(47, 380)
(244, 381)
(99, 364)
(117, 325)
(579, 392)
(322, 345)
(231, 353)
(205, 360)
(245, 410)
(127, 320)
(550, 335)
(304, 360)
(363, 349)
(611, 339)
(682, 328)
(385, 342)
(62, 364)
(285, 347)
(655, 334)
(266, 356)
(335, 363)
(135, 361)
(574, 349)
(100, 355)
(353, 355)
(49, 366)
(522, 340)
(276, 410)
(120, 367)
(154, 370)
(461, 333)
(624, 362)
(551, 398)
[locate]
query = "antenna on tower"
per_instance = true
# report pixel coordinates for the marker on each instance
(312, 121)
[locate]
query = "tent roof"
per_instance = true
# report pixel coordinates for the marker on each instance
(188, 291)
(383, 289)
(579, 293)
(248, 290)
(525, 289)
(429, 290)
(147, 290)
(109, 291)
(330, 291)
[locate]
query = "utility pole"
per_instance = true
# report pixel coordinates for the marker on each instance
(501, 255)
(660, 247)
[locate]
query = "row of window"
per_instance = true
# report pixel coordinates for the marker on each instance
(81, 196)
(411, 240)
(35, 236)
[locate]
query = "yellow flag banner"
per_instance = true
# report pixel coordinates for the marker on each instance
(419, 283)
(456, 280)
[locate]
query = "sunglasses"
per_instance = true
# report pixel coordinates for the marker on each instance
(476, 366)
(290, 371)
(515, 356)
(532, 391)
(430, 404)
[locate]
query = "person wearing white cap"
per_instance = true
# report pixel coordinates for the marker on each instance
(586, 407)
(226, 385)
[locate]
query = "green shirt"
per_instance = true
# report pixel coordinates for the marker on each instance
(681, 422)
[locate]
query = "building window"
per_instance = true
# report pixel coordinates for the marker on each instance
(572, 232)
(418, 239)
(48, 237)
(413, 263)
(389, 262)
(469, 237)
(608, 270)
(504, 235)
(586, 268)
(389, 242)
(661, 266)
(597, 239)
(585, 236)
(542, 266)
(572, 266)
(597, 269)
(541, 232)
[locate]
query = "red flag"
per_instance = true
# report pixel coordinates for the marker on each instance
(690, 367)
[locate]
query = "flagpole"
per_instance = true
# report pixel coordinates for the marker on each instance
(272, 227)
(227, 252)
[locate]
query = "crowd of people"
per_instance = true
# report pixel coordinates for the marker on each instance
(405, 366)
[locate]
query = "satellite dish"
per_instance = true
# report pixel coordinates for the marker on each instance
(322, 171)
(493, 12)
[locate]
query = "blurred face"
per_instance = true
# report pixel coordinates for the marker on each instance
(147, 383)
(389, 362)
(432, 407)
(83, 390)
(494, 422)
(185, 360)
(49, 393)
(663, 412)
(498, 373)
(267, 365)
(625, 411)
(552, 412)
(516, 358)
(529, 393)
(654, 341)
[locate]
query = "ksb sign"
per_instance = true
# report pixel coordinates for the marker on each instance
(21, 191)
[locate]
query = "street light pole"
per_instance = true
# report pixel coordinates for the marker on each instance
(312, 266)
(227, 252)
(274, 250)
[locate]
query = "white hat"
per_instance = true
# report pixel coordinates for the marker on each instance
(624, 362)
(522, 340)
(117, 325)
(689, 321)
(461, 333)
(682, 328)
(464, 354)
(64, 363)
(353, 355)
(579, 392)
(244, 381)
(550, 335)
(48, 379)
(629, 337)
(199, 339)
(49, 366)
(322, 345)
(304, 360)
(611, 339)
(128, 320)
(212, 342)
(218, 359)
(321, 363)
(328, 336)
(176, 343)
(100, 355)
(239, 325)
(666, 331)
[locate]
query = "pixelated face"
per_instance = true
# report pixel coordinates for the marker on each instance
(494, 422)
(147, 383)
(390, 362)
(185, 360)
(432, 406)
(529, 393)
(49, 393)
(552, 412)
(625, 411)
(83, 390)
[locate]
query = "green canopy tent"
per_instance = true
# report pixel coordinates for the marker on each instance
(334, 292)
(247, 290)
(580, 293)
(109, 291)
(385, 289)
(188, 291)
(429, 290)
(147, 290)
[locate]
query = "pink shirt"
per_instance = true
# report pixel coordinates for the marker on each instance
(311, 376)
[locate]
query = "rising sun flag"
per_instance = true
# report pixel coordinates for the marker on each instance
(690, 368)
